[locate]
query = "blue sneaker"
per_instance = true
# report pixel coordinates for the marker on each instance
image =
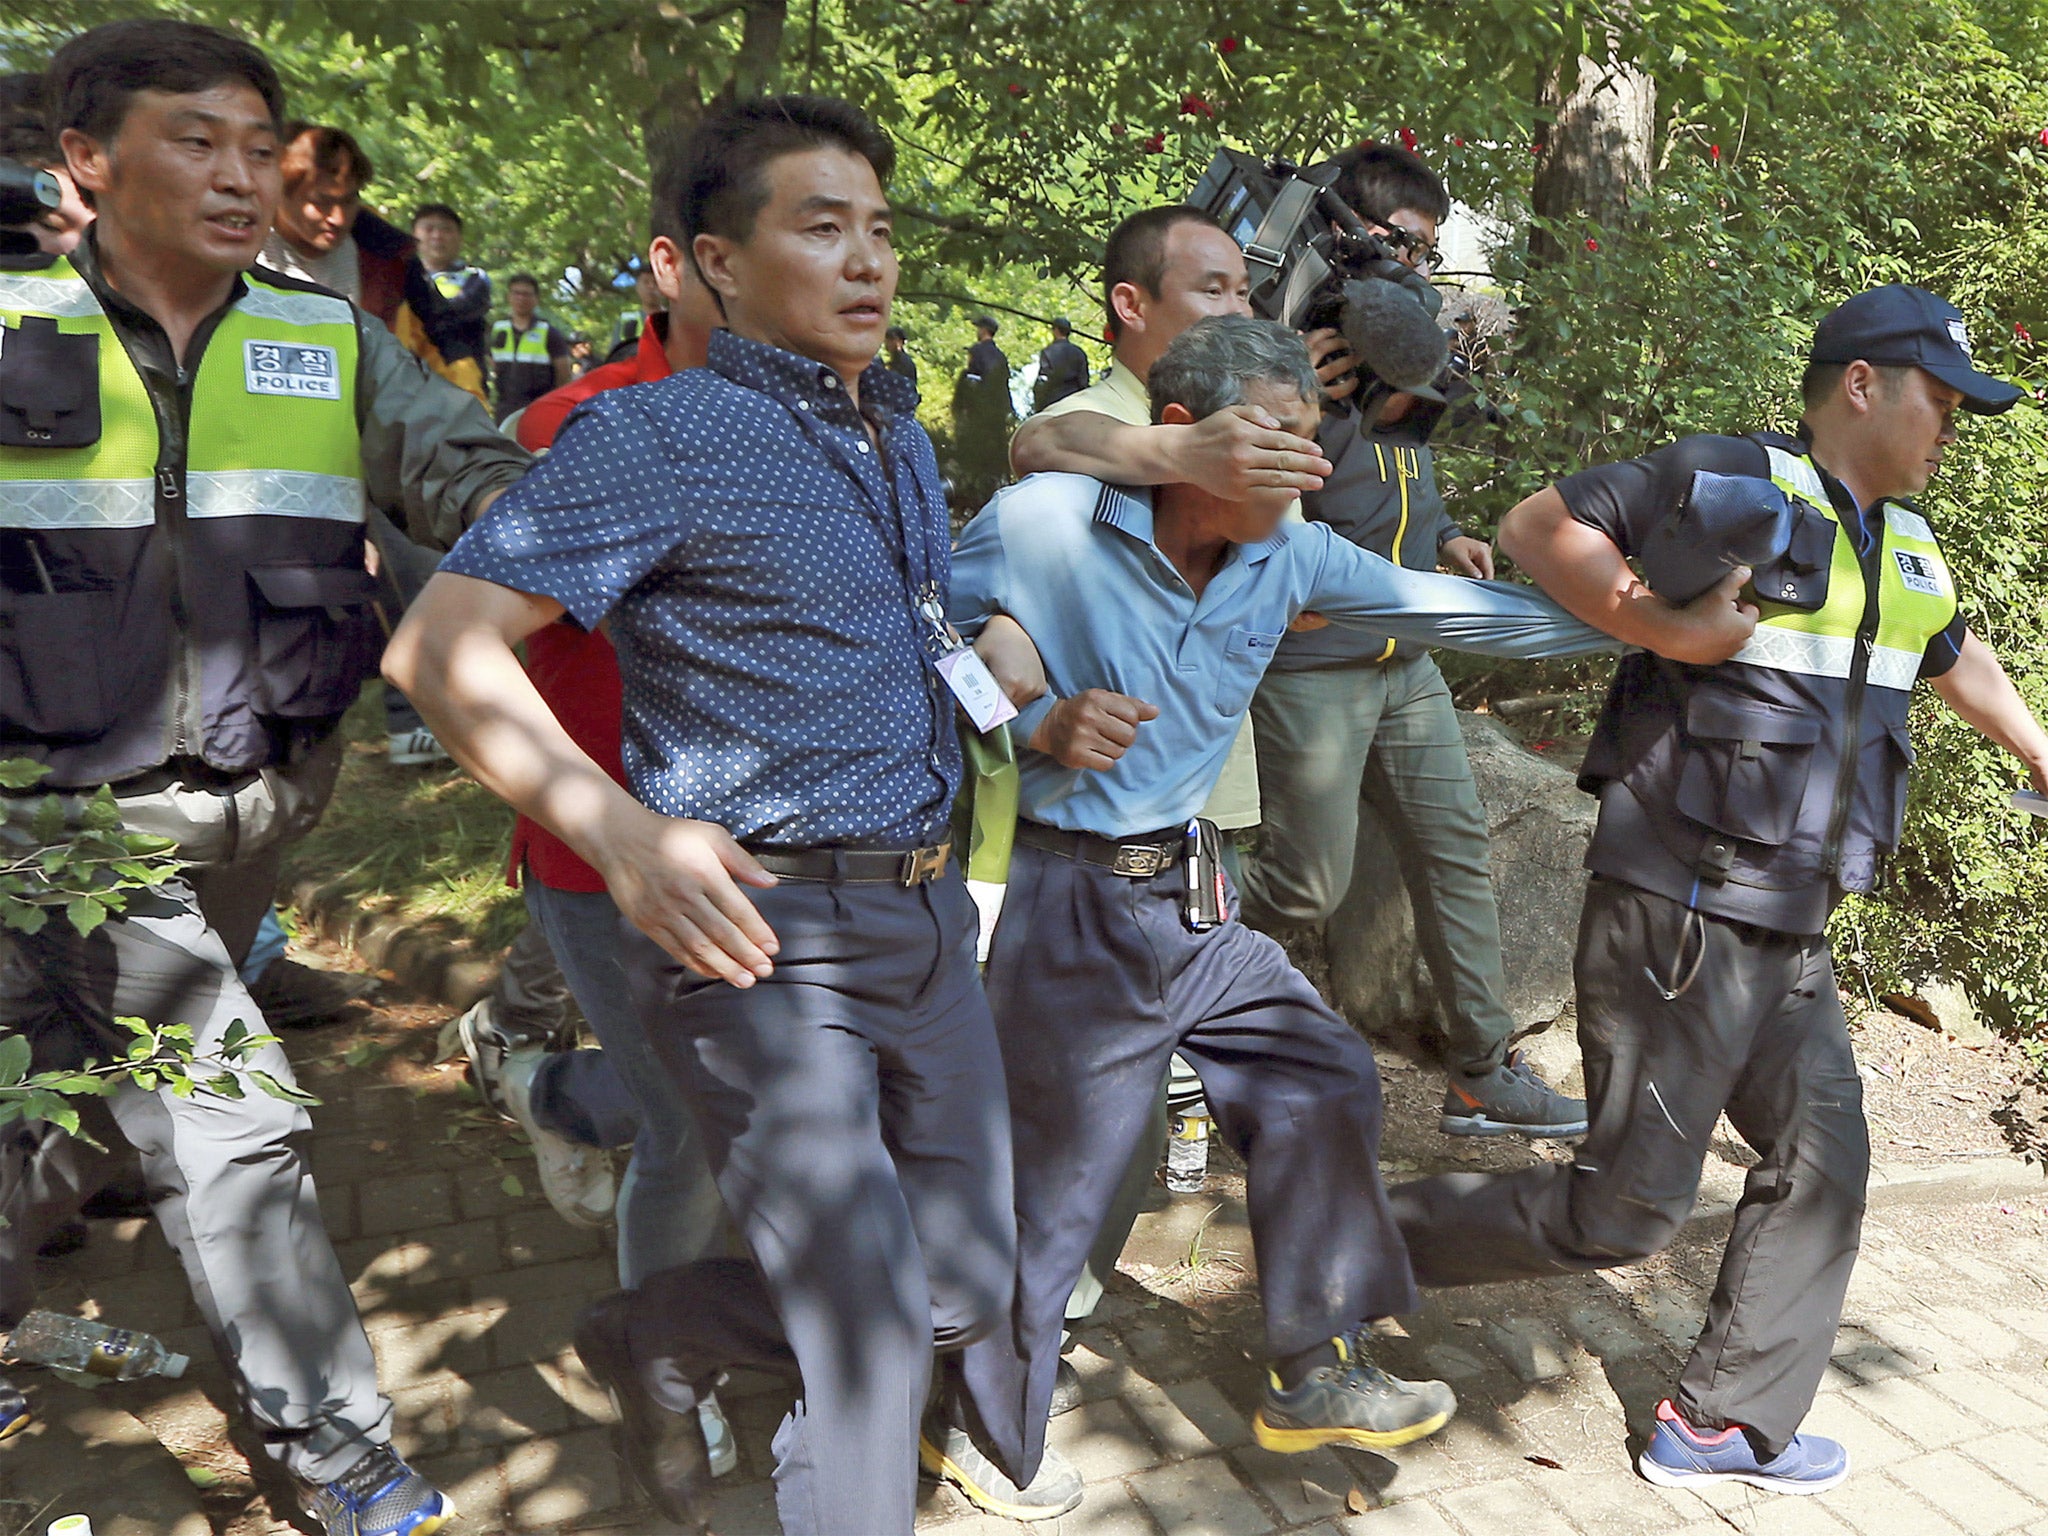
(1679, 1456)
(380, 1496)
(14, 1413)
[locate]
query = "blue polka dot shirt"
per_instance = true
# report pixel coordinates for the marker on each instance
(747, 541)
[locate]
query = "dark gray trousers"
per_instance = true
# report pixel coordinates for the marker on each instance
(1759, 1033)
(1094, 982)
(852, 1109)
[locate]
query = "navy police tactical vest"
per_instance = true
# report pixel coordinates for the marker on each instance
(196, 593)
(1782, 770)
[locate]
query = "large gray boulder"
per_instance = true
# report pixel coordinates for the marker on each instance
(1540, 824)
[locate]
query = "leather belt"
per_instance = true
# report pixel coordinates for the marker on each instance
(1135, 858)
(856, 866)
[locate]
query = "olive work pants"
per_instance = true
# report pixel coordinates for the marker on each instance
(1759, 1033)
(1382, 741)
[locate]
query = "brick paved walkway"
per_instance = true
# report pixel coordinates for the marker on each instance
(470, 1286)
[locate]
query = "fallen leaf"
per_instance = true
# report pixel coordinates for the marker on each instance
(1545, 1461)
(511, 1185)
(1357, 1502)
(203, 1477)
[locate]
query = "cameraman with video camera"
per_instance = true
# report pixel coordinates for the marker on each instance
(1343, 713)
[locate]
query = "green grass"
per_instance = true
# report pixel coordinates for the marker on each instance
(426, 844)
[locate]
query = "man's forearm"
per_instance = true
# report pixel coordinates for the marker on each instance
(459, 670)
(1979, 691)
(1089, 443)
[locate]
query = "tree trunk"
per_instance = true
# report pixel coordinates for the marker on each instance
(1596, 129)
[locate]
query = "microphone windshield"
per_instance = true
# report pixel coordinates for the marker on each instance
(1390, 333)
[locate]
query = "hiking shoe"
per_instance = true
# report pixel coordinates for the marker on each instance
(576, 1179)
(1679, 1456)
(665, 1450)
(295, 996)
(719, 1445)
(415, 749)
(1511, 1097)
(1352, 1402)
(949, 1453)
(380, 1496)
(14, 1414)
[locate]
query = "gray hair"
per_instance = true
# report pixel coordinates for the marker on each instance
(1206, 367)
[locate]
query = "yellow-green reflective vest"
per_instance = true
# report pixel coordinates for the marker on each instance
(511, 346)
(185, 594)
(1765, 786)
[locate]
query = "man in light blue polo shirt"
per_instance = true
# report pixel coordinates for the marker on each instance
(1156, 616)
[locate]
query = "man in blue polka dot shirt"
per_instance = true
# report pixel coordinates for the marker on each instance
(765, 540)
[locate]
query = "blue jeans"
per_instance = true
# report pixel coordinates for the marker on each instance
(669, 1208)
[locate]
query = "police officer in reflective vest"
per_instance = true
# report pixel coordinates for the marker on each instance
(529, 356)
(187, 449)
(1738, 803)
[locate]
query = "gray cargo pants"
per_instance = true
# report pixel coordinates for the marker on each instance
(227, 1179)
(1759, 1033)
(1390, 734)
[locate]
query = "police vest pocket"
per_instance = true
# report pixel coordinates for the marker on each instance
(317, 639)
(50, 645)
(1890, 790)
(1246, 655)
(1746, 766)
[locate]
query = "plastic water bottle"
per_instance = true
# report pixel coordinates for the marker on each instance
(67, 1343)
(71, 1525)
(1187, 1151)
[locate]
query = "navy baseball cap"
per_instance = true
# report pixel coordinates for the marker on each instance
(1902, 326)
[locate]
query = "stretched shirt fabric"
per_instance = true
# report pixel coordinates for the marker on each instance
(1073, 561)
(746, 540)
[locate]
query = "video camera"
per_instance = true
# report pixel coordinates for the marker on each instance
(1313, 264)
(26, 194)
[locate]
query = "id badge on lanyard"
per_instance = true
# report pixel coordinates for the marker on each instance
(963, 671)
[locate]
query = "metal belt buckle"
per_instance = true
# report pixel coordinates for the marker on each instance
(1139, 861)
(922, 864)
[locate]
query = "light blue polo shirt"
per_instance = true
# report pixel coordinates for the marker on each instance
(1072, 560)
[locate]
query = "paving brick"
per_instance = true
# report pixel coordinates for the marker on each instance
(451, 1345)
(744, 1509)
(538, 1330)
(1178, 1435)
(1109, 1509)
(1613, 1503)
(1979, 1394)
(475, 1481)
(541, 1237)
(1410, 1517)
(1675, 1316)
(584, 1279)
(1607, 1330)
(480, 1191)
(1504, 1506)
(1871, 1356)
(496, 1407)
(408, 1202)
(423, 1419)
(1872, 1503)
(569, 1477)
(1870, 1444)
(2032, 1322)
(337, 1210)
(1102, 1364)
(1911, 1410)
(1981, 1335)
(1966, 1493)
(1200, 1498)
(1305, 1487)
(1532, 1350)
(1453, 1363)
(2021, 1459)
(1101, 1440)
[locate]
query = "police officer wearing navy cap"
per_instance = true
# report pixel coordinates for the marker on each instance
(1739, 801)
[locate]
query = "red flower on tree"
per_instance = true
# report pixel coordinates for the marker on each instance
(1715, 151)
(1407, 136)
(1592, 244)
(2021, 332)
(1192, 105)
(1460, 143)
(1227, 45)
(1156, 145)
(1016, 90)
(2044, 138)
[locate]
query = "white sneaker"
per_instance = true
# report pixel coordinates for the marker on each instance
(415, 749)
(718, 1440)
(576, 1179)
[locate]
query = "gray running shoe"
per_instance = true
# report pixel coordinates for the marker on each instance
(1509, 1098)
(1353, 1403)
(950, 1454)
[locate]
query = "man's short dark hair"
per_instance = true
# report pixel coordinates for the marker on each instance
(24, 127)
(986, 323)
(1136, 252)
(1063, 327)
(94, 77)
(720, 185)
(316, 149)
(895, 333)
(1821, 379)
(435, 210)
(1379, 180)
(523, 277)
